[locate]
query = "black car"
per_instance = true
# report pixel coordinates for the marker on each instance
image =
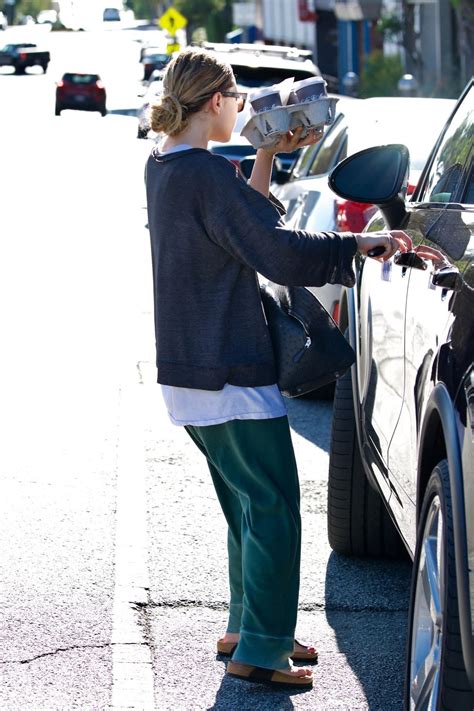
(153, 58)
(401, 474)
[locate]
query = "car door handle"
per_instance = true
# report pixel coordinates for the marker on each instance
(409, 260)
(447, 278)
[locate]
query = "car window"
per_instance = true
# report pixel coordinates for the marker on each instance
(447, 180)
(304, 161)
(267, 76)
(81, 78)
(330, 149)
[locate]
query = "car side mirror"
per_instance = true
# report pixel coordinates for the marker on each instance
(378, 176)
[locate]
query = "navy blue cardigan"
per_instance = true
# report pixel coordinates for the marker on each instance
(210, 235)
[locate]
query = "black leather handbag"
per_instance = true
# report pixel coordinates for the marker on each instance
(310, 350)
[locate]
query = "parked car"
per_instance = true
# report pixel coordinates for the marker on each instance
(257, 65)
(26, 20)
(309, 201)
(111, 14)
(47, 17)
(401, 469)
(85, 92)
(23, 55)
(153, 58)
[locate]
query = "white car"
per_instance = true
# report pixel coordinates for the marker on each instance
(47, 17)
(360, 123)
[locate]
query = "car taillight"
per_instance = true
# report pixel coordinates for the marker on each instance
(23, 55)
(411, 188)
(60, 84)
(99, 84)
(352, 216)
(336, 311)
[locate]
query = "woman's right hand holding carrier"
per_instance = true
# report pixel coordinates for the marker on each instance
(383, 245)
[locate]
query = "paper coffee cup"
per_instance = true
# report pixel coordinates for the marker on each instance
(307, 90)
(265, 100)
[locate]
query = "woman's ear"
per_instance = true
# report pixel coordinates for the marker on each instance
(216, 102)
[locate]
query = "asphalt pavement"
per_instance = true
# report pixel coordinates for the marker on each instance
(113, 584)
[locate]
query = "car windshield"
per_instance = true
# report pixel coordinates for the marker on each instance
(81, 78)
(267, 76)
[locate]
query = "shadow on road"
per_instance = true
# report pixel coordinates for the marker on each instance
(229, 696)
(311, 418)
(367, 605)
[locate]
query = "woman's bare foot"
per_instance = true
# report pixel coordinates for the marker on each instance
(296, 671)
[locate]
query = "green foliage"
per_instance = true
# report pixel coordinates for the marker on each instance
(380, 75)
(31, 7)
(390, 27)
(198, 12)
(143, 9)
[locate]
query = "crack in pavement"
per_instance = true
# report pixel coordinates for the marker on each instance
(70, 649)
(305, 607)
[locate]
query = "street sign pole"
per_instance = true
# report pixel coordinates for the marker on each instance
(172, 21)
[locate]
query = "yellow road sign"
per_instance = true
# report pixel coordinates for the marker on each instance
(172, 20)
(173, 47)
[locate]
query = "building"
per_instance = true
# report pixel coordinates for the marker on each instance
(342, 33)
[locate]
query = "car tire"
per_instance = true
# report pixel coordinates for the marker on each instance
(45, 68)
(57, 110)
(358, 522)
(435, 672)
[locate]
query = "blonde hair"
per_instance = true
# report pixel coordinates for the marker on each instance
(190, 80)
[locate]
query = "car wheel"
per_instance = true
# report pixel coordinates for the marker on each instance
(57, 110)
(358, 522)
(435, 672)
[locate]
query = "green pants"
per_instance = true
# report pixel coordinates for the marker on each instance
(253, 468)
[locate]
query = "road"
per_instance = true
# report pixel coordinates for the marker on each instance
(113, 565)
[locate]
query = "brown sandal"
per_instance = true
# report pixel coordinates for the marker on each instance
(260, 675)
(226, 649)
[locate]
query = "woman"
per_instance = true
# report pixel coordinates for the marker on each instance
(211, 233)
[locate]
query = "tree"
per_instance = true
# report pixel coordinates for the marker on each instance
(143, 9)
(214, 15)
(31, 7)
(380, 75)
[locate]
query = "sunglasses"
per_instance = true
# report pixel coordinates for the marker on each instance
(240, 96)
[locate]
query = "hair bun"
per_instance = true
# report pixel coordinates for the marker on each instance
(176, 103)
(168, 114)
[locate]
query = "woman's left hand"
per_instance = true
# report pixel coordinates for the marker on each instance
(292, 140)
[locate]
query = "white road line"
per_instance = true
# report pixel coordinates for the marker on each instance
(132, 673)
